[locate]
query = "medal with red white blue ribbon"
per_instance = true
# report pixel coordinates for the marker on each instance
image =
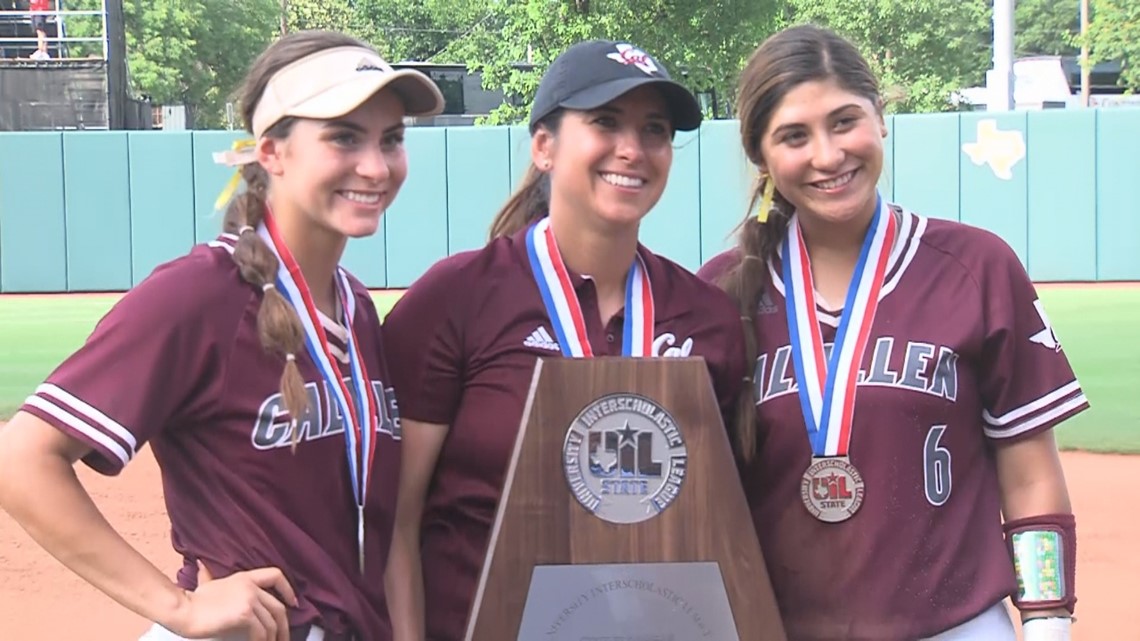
(832, 489)
(357, 403)
(562, 304)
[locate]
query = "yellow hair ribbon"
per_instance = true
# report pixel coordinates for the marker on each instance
(238, 155)
(766, 199)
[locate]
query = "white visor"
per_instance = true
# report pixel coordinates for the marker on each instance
(333, 82)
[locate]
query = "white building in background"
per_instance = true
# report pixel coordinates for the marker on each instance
(1054, 82)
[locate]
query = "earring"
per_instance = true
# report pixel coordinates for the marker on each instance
(766, 198)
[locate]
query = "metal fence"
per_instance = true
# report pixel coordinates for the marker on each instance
(18, 39)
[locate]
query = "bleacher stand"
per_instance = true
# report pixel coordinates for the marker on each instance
(73, 86)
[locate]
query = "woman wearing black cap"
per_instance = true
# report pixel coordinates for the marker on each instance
(563, 273)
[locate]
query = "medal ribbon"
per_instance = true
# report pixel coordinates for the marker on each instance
(827, 385)
(357, 403)
(562, 304)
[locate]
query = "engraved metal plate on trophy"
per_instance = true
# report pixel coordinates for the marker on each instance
(628, 602)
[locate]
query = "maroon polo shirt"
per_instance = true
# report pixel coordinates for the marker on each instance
(463, 342)
(959, 361)
(177, 363)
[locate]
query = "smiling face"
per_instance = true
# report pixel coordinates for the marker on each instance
(340, 175)
(823, 148)
(610, 164)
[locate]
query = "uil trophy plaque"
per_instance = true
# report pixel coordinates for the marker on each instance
(622, 516)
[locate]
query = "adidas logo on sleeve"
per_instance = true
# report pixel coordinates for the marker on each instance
(541, 339)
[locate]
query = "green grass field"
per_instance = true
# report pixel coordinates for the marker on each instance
(37, 332)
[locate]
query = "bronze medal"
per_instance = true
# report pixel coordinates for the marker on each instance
(832, 489)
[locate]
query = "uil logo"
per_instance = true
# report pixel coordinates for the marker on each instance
(624, 458)
(831, 488)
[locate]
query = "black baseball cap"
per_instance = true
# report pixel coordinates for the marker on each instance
(592, 73)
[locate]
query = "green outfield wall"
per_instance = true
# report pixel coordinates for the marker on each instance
(97, 211)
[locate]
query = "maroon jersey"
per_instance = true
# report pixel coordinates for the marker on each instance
(463, 342)
(960, 357)
(177, 363)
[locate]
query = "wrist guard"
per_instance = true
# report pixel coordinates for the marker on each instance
(1044, 552)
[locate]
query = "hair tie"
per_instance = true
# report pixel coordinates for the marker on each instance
(290, 357)
(245, 228)
(766, 198)
(747, 379)
(268, 286)
(241, 152)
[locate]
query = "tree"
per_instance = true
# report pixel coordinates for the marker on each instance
(1047, 27)
(189, 52)
(401, 30)
(923, 49)
(703, 43)
(195, 52)
(420, 30)
(334, 15)
(1114, 35)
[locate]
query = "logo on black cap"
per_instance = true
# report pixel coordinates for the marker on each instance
(630, 55)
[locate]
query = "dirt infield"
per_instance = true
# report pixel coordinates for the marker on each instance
(1104, 284)
(42, 601)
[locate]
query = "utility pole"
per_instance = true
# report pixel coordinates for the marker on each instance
(1086, 90)
(116, 65)
(999, 80)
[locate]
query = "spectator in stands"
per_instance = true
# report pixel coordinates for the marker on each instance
(40, 9)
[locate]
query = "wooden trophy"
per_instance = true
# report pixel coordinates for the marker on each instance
(622, 515)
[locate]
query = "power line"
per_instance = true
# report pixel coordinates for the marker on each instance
(418, 30)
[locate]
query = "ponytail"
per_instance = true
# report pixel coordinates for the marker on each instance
(746, 283)
(529, 203)
(278, 325)
(531, 200)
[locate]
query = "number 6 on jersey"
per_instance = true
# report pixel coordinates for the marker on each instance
(936, 467)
